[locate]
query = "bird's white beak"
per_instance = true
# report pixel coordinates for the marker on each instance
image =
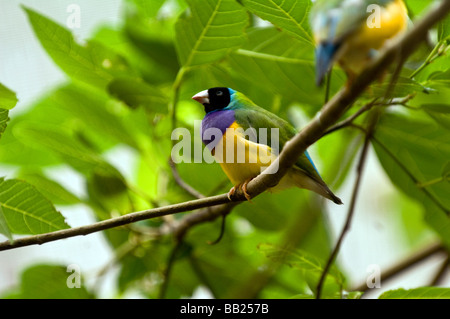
(202, 97)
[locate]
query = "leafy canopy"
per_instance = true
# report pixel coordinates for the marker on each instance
(125, 87)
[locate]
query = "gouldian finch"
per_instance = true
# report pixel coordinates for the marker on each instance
(231, 114)
(352, 31)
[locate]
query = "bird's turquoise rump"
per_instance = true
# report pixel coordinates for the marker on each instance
(238, 118)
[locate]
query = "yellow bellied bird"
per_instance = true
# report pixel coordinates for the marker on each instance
(231, 114)
(350, 32)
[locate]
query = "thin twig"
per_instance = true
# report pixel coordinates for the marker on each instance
(173, 117)
(167, 271)
(367, 107)
(351, 209)
(404, 265)
(298, 229)
(207, 214)
(180, 181)
(124, 250)
(442, 271)
(352, 118)
(222, 231)
(436, 53)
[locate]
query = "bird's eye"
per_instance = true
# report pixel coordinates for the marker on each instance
(219, 93)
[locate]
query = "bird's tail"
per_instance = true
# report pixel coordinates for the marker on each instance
(319, 187)
(333, 197)
(325, 53)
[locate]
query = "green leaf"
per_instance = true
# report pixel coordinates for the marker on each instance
(209, 31)
(148, 8)
(444, 29)
(413, 151)
(26, 211)
(417, 7)
(418, 293)
(441, 118)
(95, 113)
(153, 37)
(446, 172)
(310, 266)
(52, 190)
(437, 108)
(403, 87)
(354, 295)
(303, 296)
(435, 104)
(350, 295)
(341, 147)
(106, 184)
(90, 116)
(49, 282)
(135, 93)
(8, 98)
(138, 52)
(440, 77)
(269, 214)
(289, 15)
(160, 50)
(281, 64)
(4, 228)
(71, 150)
(13, 151)
(93, 64)
(3, 120)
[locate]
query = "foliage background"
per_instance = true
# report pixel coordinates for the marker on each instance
(98, 138)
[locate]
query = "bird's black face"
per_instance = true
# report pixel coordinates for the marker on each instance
(219, 97)
(214, 99)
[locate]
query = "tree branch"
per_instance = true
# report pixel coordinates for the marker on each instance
(329, 114)
(367, 107)
(117, 221)
(443, 270)
(405, 264)
(360, 168)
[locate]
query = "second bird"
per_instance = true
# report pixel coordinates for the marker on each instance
(352, 31)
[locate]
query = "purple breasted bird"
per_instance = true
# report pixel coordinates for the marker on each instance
(232, 114)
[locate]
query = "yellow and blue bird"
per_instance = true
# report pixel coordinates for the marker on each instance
(350, 32)
(232, 114)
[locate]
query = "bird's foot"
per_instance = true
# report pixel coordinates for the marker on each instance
(232, 192)
(243, 188)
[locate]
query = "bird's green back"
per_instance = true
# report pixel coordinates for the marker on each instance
(249, 115)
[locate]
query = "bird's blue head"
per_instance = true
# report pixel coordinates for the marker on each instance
(215, 99)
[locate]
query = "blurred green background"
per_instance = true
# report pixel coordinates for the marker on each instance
(91, 133)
